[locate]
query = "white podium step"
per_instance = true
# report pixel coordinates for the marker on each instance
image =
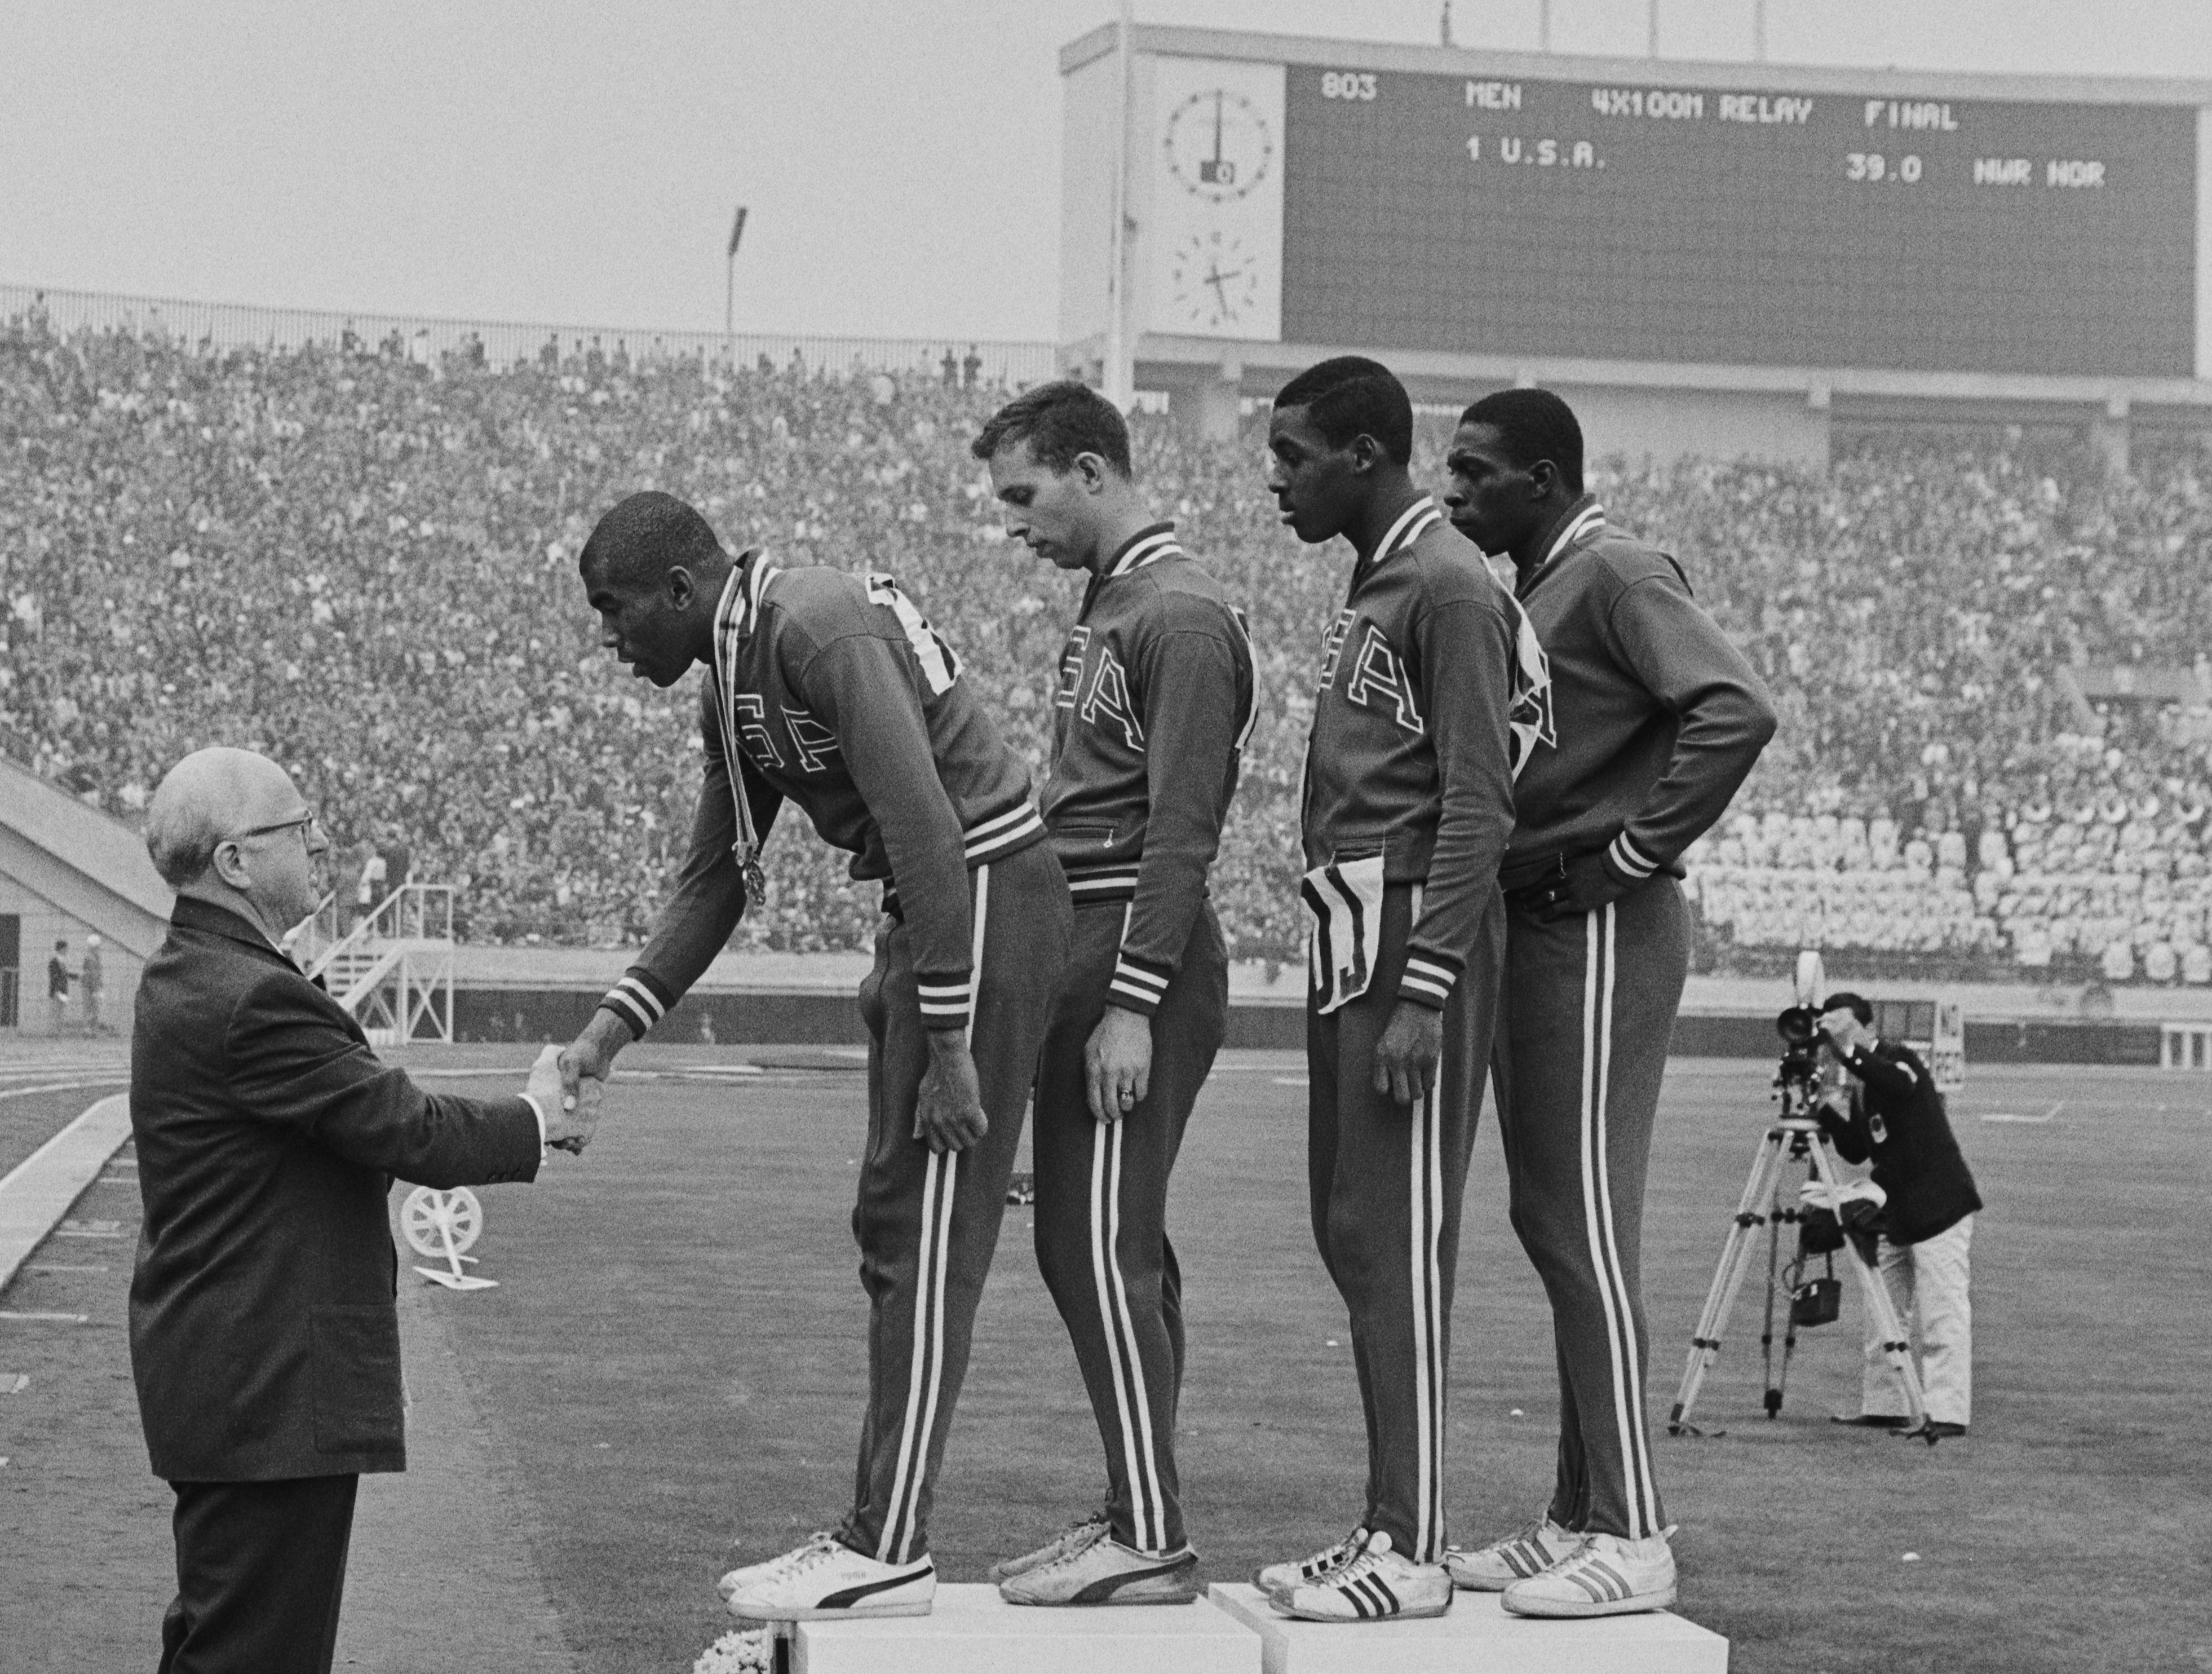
(1476, 1636)
(972, 1630)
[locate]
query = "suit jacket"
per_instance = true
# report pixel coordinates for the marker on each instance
(265, 1335)
(1898, 1122)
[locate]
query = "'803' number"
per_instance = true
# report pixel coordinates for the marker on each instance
(1347, 84)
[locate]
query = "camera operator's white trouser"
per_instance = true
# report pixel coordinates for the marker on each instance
(1927, 1283)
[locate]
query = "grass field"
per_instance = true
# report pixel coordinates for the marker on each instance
(673, 1363)
(677, 1350)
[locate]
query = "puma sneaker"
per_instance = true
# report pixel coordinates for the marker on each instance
(1105, 1572)
(1277, 1577)
(1494, 1568)
(1608, 1576)
(1085, 1531)
(826, 1581)
(1375, 1584)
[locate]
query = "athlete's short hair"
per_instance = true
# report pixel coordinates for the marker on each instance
(1353, 396)
(1533, 425)
(1059, 421)
(1857, 1005)
(646, 535)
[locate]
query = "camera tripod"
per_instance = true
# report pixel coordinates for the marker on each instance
(1770, 1200)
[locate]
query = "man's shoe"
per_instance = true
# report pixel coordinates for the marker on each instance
(1375, 1584)
(1087, 1531)
(826, 1581)
(1610, 1576)
(1494, 1568)
(1105, 1572)
(1936, 1429)
(1281, 1577)
(1872, 1420)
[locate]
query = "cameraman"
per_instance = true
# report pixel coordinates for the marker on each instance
(1891, 1115)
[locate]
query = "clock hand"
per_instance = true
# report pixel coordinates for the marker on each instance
(1217, 127)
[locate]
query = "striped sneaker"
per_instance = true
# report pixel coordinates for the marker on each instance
(1494, 1568)
(1084, 1532)
(1610, 1576)
(1281, 1577)
(1375, 1584)
(826, 1581)
(1108, 1572)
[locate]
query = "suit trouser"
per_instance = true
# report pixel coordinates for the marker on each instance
(260, 1575)
(927, 1221)
(1102, 1199)
(1929, 1278)
(1386, 1181)
(1589, 1010)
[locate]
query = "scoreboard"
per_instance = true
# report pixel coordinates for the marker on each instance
(1652, 222)
(1823, 221)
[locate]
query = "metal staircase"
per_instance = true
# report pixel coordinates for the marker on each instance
(394, 970)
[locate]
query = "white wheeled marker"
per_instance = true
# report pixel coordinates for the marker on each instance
(445, 1223)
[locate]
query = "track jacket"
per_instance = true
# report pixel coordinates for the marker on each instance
(1409, 762)
(1654, 717)
(1154, 705)
(831, 690)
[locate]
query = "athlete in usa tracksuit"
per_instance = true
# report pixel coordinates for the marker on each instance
(830, 689)
(1655, 720)
(1408, 807)
(1153, 706)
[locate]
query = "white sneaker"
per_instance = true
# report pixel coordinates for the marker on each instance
(1085, 1531)
(1494, 1568)
(827, 1581)
(1105, 1572)
(1281, 1577)
(1375, 1584)
(1610, 1576)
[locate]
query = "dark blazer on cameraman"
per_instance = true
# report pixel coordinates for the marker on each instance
(1898, 1123)
(263, 1334)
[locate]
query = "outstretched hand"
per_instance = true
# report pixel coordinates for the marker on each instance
(570, 1116)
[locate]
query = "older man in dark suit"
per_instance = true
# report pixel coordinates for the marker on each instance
(264, 1333)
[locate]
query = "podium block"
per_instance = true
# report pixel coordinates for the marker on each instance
(972, 1630)
(1476, 1636)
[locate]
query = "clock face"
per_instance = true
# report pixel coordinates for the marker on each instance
(1220, 146)
(1215, 280)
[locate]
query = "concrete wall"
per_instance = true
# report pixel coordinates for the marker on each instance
(1664, 425)
(43, 923)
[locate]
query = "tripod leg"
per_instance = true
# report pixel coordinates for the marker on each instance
(1874, 1294)
(1727, 1278)
(1771, 1401)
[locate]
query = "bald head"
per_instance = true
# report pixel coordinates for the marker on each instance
(210, 796)
(644, 536)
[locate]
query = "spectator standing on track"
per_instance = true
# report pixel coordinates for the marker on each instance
(1650, 721)
(264, 1339)
(93, 979)
(1894, 1118)
(830, 690)
(58, 990)
(1154, 703)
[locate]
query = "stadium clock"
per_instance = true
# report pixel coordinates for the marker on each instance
(1216, 280)
(1220, 146)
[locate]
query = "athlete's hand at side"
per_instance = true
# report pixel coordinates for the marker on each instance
(590, 1058)
(950, 1112)
(1405, 1057)
(1117, 1063)
(1586, 887)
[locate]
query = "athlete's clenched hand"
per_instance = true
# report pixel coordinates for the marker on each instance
(1405, 1057)
(949, 1114)
(1117, 1063)
(1586, 887)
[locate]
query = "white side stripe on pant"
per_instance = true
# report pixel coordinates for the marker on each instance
(1641, 1497)
(1131, 1399)
(940, 1182)
(1425, 1157)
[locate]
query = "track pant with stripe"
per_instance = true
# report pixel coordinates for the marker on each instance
(927, 1221)
(1386, 1181)
(1102, 1196)
(1589, 1010)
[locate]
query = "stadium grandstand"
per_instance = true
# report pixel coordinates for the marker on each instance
(358, 555)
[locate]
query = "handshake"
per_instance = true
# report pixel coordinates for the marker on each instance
(569, 1081)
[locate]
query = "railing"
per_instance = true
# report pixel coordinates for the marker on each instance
(394, 968)
(504, 343)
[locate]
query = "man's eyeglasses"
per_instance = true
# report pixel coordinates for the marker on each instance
(307, 825)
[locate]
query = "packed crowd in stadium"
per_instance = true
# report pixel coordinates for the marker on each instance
(365, 566)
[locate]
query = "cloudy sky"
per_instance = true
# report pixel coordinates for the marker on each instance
(578, 163)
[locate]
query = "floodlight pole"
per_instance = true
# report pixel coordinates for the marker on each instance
(1119, 377)
(1650, 28)
(1543, 26)
(1759, 31)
